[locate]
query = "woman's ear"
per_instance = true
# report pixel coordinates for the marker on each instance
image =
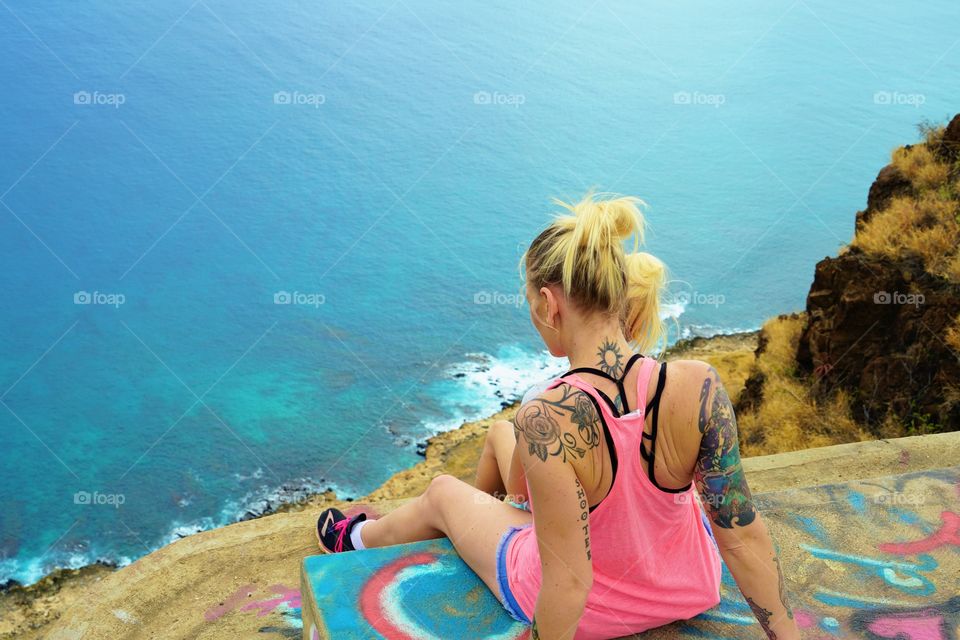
(550, 308)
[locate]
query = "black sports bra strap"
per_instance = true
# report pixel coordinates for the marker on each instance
(630, 362)
(655, 403)
(649, 457)
(604, 374)
(617, 381)
(661, 381)
(623, 391)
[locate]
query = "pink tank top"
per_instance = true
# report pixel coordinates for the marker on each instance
(653, 560)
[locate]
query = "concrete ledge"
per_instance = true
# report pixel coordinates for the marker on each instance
(242, 581)
(874, 558)
(852, 461)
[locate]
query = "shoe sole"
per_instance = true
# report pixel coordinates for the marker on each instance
(316, 530)
(320, 543)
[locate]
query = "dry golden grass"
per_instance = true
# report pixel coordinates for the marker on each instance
(926, 224)
(952, 337)
(731, 355)
(919, 165)
(789, 418)
(952, 269)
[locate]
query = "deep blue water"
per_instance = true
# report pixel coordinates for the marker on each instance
(390, 160)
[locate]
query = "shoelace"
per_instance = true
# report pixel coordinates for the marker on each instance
(341, 527)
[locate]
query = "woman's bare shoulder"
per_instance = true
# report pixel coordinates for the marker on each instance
(687, 378)
(688, 394)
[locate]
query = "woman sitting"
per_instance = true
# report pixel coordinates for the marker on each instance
(608, 458)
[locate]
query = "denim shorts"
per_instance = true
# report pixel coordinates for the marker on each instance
(506, 596)
(706, 524)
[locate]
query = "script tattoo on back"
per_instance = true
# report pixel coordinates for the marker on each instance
(584, 516)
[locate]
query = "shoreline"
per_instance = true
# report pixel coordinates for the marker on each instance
(430, 448)
(453, 451)
(446, 446)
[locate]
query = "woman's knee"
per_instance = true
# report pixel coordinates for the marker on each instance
(500, 428)
(498, 432)
(439, 488)
(500, 435)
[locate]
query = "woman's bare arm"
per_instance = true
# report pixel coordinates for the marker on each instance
(743, 539)
(561, 519)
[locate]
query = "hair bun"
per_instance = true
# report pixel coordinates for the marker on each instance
(583, 251)
(601, 222)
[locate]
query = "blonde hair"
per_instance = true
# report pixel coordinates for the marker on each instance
(582, 250)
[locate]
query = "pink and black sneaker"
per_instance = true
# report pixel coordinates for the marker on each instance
(333, 530)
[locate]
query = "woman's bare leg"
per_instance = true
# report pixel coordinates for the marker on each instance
(493, 468)
(472, 519)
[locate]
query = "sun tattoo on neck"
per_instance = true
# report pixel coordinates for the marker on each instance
(611, 360)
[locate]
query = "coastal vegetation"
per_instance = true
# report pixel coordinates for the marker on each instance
(876, 352)
(789, 416)
(923, 219)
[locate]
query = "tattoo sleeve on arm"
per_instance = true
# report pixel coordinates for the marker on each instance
(763, 615)
(722, 485)
(719, 473)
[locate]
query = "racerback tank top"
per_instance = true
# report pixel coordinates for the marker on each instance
(654, 559)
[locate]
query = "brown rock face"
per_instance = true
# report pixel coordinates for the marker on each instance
(889, 184)
(876, 329)
(949, 149)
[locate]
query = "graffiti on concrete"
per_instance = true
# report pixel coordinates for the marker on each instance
(877, 559)
(948, 534)
(933, 622)
(423, 590)
(278, 599)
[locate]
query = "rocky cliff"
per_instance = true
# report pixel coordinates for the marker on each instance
(882, 316)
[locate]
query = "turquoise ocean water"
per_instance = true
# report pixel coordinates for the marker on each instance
(250, 250)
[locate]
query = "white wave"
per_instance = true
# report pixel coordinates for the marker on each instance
(672, 310)
(267, 498)
(484, 383)
(33, 569)
(709, 330)
(470, 390)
